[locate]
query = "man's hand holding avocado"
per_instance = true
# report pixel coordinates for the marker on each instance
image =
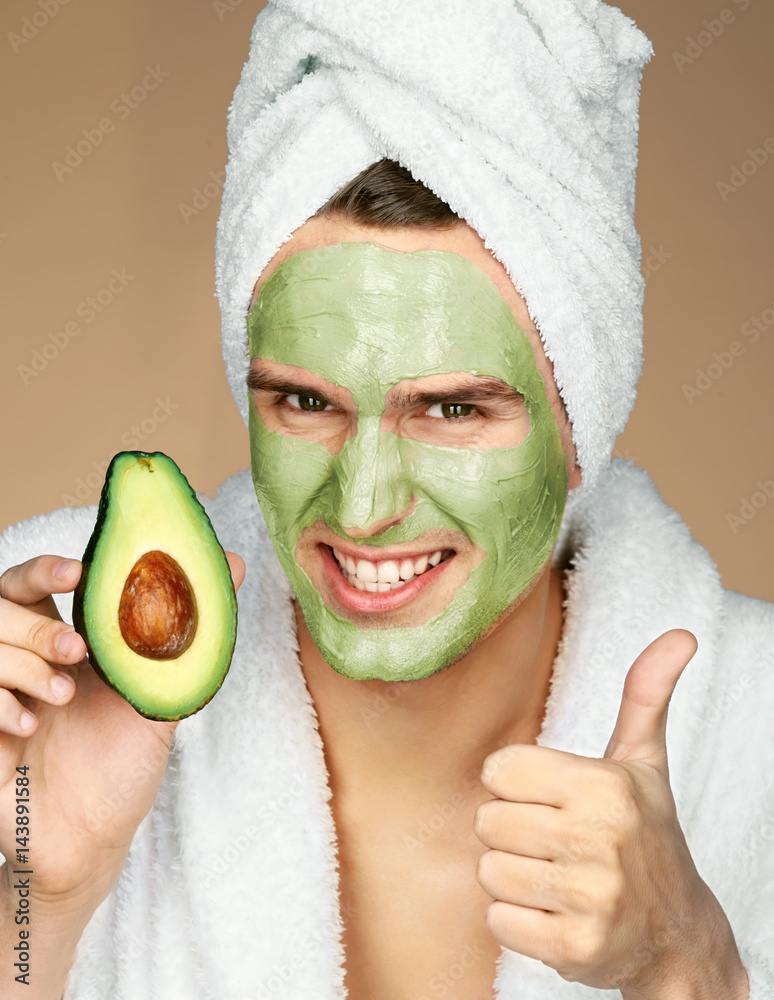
(95, 764)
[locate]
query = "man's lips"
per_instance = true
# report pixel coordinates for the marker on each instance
(346, 585)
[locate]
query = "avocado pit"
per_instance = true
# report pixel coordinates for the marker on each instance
(157, 612)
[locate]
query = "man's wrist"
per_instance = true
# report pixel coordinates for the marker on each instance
(51, 914)
(731, 984)
(714, 973)
(49, 928)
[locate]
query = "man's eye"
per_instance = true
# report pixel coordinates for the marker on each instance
(310, 404)
(450, 410)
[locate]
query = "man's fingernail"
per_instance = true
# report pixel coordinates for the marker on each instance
(61, 685)
(62, 568)
(27, 721)
(64, 643)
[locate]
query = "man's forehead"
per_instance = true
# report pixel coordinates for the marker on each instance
(369, 289)
(319, 233)
(359, 313)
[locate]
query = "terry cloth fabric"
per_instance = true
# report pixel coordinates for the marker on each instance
(523, 116)
(230, 889)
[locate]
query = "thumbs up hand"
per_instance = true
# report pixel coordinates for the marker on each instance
(587, 864)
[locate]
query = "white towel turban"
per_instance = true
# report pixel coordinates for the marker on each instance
(521, 114)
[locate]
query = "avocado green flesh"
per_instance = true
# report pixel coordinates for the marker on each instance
(147, 504)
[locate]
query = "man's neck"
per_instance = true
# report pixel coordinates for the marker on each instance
(414, 738)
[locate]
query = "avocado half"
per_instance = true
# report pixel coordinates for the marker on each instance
(156, 604)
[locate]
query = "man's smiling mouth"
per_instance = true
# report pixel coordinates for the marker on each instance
(355, 581)
(384, 575)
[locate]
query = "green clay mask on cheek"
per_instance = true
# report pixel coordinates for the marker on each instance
(365, 318)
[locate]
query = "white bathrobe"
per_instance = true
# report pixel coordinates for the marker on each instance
(230, 890)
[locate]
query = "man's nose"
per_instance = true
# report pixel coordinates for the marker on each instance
(373, 488)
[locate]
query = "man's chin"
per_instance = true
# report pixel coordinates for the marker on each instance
(378, 672)
(382, 654)
(390, 653)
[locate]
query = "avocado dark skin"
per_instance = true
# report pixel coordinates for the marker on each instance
(156, 604)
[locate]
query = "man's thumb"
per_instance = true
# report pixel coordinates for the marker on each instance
(640, 729)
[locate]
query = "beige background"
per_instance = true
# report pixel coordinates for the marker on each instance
(158, 337)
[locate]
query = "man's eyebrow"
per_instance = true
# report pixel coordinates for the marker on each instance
(261, 379)
(484, 388)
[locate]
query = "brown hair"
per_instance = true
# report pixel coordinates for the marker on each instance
(388, 196)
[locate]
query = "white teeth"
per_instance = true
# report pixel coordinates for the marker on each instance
(387, 572)
(366, 570)
(374, 588)
(407, 570)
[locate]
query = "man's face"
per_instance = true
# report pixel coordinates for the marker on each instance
(407, 460)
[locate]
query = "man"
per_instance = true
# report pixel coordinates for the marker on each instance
(230, 884)
(405, 760)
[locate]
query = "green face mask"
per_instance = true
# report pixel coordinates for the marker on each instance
(365, 318)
